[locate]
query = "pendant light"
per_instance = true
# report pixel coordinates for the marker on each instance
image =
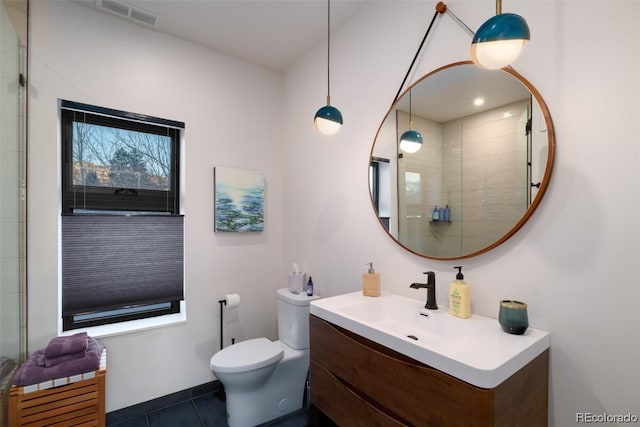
(328, 119)
(411, 140)
(499, 41)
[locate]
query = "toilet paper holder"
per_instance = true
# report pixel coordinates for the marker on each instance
(234, 301)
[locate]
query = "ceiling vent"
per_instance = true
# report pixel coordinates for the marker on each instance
(128, 12)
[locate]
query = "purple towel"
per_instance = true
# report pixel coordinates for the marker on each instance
(66, 345)
(32, 373)
(49, 362)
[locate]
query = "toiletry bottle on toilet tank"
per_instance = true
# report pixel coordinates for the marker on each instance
(460, 296)
(310, 287)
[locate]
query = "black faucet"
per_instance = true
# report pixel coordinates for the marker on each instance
(431, 290)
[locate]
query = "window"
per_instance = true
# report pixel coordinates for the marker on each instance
(113, 160)
(374, 182)
(122, 229)
(379, 184)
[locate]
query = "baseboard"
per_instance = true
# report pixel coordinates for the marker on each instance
(140, 409)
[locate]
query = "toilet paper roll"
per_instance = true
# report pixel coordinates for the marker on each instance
(233, 300)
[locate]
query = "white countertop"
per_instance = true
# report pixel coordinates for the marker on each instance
(475, 350)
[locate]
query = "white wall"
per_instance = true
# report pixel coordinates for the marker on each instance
(233, 117)
(573, 262)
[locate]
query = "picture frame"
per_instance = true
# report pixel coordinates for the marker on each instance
(238, 200)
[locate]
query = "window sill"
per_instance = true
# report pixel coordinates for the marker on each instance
(131, 326)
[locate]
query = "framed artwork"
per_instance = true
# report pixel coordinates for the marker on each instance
(238, 199)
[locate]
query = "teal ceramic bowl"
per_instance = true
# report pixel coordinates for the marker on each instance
(513, 317)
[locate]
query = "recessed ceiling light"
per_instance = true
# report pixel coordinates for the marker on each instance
(478, 102)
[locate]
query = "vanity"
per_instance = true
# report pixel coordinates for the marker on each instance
(379, 361)
(386, 361)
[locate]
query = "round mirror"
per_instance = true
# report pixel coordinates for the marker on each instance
(482, 167)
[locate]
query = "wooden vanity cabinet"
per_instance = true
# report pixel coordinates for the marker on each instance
(357, 382)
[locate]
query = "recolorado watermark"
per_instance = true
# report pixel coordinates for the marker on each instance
(591, 418)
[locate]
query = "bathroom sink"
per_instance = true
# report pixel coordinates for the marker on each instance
(475, 350)
(405, 316)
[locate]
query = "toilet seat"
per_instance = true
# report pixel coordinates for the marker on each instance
(246, 356)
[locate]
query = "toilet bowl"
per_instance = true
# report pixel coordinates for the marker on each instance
(263, 379)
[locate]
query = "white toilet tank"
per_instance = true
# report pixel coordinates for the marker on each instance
(293, 318)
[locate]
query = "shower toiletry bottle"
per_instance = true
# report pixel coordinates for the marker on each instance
(441, 213)
(371, 282)
(435, 215)
(310, 287)
(447, 214)
(460, 296)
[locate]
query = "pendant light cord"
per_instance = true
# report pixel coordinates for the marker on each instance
(415, 57)
(410, 116)
(328, 47)
(459, 21)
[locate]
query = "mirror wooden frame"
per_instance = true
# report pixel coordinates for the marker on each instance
(544, 184)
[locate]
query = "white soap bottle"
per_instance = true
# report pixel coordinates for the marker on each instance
(460, 296)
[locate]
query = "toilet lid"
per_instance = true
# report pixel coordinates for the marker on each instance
(246, 356)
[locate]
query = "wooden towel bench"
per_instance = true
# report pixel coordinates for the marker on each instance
(72, 401)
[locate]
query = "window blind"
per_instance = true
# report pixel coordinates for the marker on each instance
(114, 261)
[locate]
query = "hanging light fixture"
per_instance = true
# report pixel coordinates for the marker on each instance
(496, 44)
(499, 41)
(411, 140)
(328, 119)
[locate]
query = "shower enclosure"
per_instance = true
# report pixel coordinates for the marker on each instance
(13, 99)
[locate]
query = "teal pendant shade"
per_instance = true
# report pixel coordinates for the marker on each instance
(411, 141)
(328, 120)
(499, 41)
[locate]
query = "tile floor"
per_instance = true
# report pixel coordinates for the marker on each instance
(205, 410)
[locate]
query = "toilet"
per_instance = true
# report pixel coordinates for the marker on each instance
(265, 379)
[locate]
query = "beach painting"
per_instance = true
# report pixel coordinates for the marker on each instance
(238, 199)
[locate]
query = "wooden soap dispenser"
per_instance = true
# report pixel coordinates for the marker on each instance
(371, 282)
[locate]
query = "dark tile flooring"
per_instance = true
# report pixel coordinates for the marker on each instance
(202, 410)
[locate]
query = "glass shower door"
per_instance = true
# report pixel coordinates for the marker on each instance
(13, 24)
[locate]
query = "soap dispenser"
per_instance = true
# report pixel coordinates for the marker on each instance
(460, 296)
(371, 282)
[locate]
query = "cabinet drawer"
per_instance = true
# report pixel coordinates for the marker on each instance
(343, 405)
(410, 391)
